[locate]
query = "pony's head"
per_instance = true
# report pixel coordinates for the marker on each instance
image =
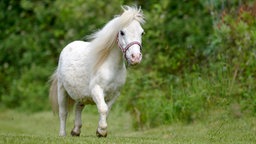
(129, 37)
(129, 41)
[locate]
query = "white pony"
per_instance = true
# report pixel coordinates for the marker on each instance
(93, 72)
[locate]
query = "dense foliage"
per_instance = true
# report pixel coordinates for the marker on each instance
(197, 55)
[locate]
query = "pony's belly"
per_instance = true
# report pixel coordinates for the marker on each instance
(77, 90)
(80, 94)
(86, 100)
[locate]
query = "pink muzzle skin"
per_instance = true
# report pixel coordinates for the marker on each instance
(124, 50)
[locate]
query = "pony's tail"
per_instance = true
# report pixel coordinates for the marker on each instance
(53, 95)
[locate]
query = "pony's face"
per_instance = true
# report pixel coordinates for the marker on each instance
(129, 41)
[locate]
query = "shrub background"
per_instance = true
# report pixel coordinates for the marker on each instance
(197, 55)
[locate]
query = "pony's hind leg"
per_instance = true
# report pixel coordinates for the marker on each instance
(78, 121)
(63, 109)
(98, 98)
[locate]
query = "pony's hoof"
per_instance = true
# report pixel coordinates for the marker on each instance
(62, 134)
(102, 134)
(75, 134)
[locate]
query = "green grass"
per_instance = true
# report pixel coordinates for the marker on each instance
(218, 127)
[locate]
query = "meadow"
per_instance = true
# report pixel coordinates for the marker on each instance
(42, 127)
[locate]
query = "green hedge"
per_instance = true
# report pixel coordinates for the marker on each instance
(197, 55)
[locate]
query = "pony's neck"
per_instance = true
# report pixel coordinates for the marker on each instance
(116, 56)
(111, 55)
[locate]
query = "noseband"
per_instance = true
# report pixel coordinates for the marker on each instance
(124, 49)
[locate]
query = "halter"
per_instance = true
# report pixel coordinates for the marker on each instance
(124, 49)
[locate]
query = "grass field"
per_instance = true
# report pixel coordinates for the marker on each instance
(218, 127)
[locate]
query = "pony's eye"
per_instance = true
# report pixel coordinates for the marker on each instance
(142, 33)
(122, 33)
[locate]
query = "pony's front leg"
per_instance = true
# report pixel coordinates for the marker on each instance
(98, 98)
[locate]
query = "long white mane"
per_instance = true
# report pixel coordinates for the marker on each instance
(103, 40)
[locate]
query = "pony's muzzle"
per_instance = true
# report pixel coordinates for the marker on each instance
(135, 58)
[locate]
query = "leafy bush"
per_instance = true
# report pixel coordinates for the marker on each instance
(182, 84)
(197, 55)
(33, 34)
(233, 48)
(28, 92)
